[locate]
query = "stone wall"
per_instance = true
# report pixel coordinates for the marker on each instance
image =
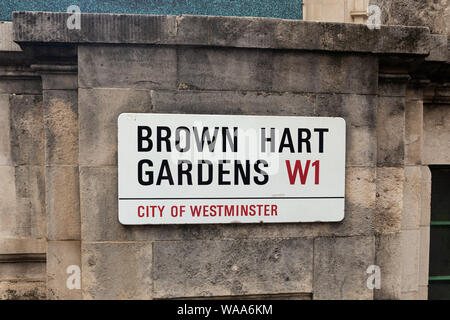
(22, 176)
(215, 65)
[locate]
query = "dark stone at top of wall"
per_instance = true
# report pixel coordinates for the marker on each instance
(243, 32)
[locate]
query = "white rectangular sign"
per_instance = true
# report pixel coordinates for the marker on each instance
(191, 169)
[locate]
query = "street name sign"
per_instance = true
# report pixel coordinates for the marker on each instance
(207, 169)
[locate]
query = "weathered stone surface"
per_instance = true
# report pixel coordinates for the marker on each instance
(6, 37)
(342, 73)
(61, 126)
(98, 113)
(22, 290)
(296, 71)
(59, 81)
(223, 102)
(359, 112)
(27, 129)
(7, 201)
(423, 293)
(107, 273)
(22, 246)
(340, 266)
(230, 267)
(410, 242)
(424, 255)
(20, 85)
(279, 71)
(433, 14)
(412, 197)
(388, 258)
(22, 202)
(390, 131)
(5, 128)
(413, 132)
(439, 47)
(99, 205)
(425, 215)
(360, 192)
(220, 31)
(392, 85)
(63, 203)
(225, 69)
(149, 67)
(389, 199)
(410, 295)
(30, 197)
(436, 141)
(22, 270)
(60, 256)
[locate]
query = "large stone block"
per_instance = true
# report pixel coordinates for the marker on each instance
(436, 136)
(22, 202)
(389, 199)
(296, 71)
(60, 256)
(412, 189)
(413, 132)
(232, 267)
(61, 126)
(22, 270)
(150, 67)
(343, 73)
(391, 131)
(391, 85)
(280, 71)
(30, 197)
(59, 80)
(22, 246)
(99, 205)
(225, 69)
(410, 242)
(340, 266)
(63, 203)
(20, 85)
(98, 113)
(232, 102)
(22, 290)
(107, 273)
(388, 258)
(359, 112)
(27, 129)
(360, 209)
(5, 129)
(8, 203)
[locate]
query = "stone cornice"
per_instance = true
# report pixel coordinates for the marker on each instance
(242, 32)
